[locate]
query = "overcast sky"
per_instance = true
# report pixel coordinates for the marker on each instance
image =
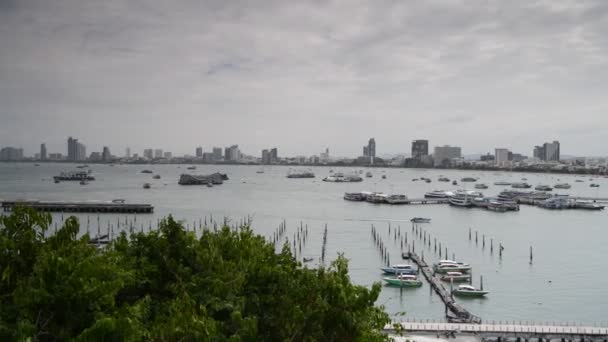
(304, 75)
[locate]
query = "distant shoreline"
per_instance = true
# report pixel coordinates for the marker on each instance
(589, 172)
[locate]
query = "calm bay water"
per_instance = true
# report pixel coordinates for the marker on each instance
(566, 282)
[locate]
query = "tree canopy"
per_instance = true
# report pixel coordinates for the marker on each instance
(170, 285)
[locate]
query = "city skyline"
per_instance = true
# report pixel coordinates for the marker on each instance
(484, 74)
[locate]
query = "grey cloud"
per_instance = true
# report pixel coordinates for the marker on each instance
(302, 75)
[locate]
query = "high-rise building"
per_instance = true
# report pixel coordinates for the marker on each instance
(168, 155)
(501, 156)
(420, 148)
(149, 153)
(274, 155)
(199, 152)
(55, 156)
(158, 153)
(11, 154)
(128, 153)
(539, 152)
(442, 155)
(551, 151)
(72, 148)
(81, 152)
(365, 151)
(95, 156)
(232, 153)
(371, 147)
(265, 157)
(106, 156)
(43, 152)
(217, 154)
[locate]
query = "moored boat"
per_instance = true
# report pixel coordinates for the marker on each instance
(368, 174)
(399, 269)
(481, 186)
(420, 220)
(502, 183)
(464, 198)
(562, 186)
(404, 280)
(354, 196)
(443, 179)
(543, 188)
(468, 179)
(147, 186)
(469, 291)
(521, 185)
(300, 175)
(445, 266)
(397, 199)
(594, 185)
(377, 197)
(438, 194)
(456, 277)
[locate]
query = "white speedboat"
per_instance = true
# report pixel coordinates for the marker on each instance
(445, 266)
(464, 198)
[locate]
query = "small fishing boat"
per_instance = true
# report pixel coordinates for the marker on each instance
(521, 185)
(307, 259)
(543, 188)
(579, 181)
(481, 186)
(146, 171)
(594, 185)
(83, 182)
(469, 179)
(156, 177)
(404, 280)
(210, 184)
(427, 180)
(191, 168)
(259, 171)
(368, 174)
(147, 186)
(443, 179)
(456, 277)
(57, 181)
(399, 269)
(502, 183)
(562, 186)
(420, 220)
(454, 183)
(383, 176)
(469, 291)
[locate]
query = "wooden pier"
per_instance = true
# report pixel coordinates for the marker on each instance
(521, 329)
(81, 207)
(461, 315)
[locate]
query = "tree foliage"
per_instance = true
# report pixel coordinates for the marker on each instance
(170, 285)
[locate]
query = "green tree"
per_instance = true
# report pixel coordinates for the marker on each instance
(169, 285)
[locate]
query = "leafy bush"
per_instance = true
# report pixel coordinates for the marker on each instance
(169, 285)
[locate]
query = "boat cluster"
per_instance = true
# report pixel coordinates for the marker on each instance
(376, 197)
(404, 275)
(548, 201)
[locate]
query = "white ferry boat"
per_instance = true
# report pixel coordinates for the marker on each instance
(464, 198)
(377, 197)
(439, 194)
(74, 176)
